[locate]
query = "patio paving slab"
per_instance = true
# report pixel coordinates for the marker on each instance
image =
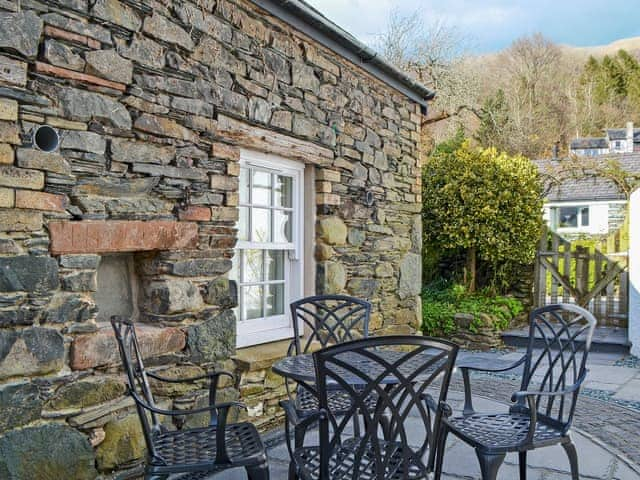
(607, 426)
(597, 462)
(630, 391)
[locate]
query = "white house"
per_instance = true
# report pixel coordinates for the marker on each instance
(588, 205)
(616, 140)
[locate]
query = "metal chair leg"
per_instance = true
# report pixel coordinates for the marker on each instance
(440, 447)
(522, 457)
(468, 399)
(293, 475)
(490, 464)
(298, 442)
(258, 472)
(570, 448)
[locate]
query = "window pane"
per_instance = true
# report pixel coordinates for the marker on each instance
(244, 185)
(275, 299)
(260, 225)
(281, 226)
(234, 274)
(252, 266)
(584, 214)
(275, 265)
(568, 217)
(261, 193)
(252, 302)
(243, 223)
(283, 191)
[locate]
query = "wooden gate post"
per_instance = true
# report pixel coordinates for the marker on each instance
(582, 271)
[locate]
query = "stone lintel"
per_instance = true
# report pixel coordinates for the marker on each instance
(121, 236)
(250, 136)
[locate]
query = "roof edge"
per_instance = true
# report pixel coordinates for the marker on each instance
(309, 21)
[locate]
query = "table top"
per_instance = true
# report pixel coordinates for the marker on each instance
(301, 368)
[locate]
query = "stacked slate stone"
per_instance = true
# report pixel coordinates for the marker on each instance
(153, 101)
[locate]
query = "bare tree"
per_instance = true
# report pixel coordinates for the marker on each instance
(435, 55)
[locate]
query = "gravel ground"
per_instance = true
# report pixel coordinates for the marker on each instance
(629, 361)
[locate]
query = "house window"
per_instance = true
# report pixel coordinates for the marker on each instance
(573, 217)
(267, 264)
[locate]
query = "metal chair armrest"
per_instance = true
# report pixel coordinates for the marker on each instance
(213, 377)
(219, 416)
(498, 366)
(293, 419)
(519, 396)
(468, 401)
(208, 376)
(162, 411)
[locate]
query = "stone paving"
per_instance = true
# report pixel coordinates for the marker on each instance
(616, 382)
(607, 428)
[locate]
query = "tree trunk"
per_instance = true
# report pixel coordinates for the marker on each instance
(470, 270)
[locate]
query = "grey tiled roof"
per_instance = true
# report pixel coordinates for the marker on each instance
(589, 142)
(621, 134)
(562, 186)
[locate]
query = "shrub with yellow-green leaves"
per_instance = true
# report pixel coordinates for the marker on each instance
(483, 202)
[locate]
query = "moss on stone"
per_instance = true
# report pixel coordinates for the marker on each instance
(86, 393)
(123, 443)
(46, 452)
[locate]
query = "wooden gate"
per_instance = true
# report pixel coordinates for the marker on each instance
(570, 273)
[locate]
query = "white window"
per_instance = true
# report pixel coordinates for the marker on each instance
(268, 264)
(573, 217)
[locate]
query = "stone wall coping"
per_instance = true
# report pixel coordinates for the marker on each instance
(260, 357)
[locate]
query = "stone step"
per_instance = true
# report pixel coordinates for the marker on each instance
(605, 339)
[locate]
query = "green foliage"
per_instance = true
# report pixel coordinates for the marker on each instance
(441, 300)
(482, 200)
(610, 90)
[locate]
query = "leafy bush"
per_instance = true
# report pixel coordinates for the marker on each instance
(442, 300)
(485, 204)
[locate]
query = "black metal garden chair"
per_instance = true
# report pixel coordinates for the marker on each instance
(196, 452)
(398, 433)
(543, 409)
(320, 321)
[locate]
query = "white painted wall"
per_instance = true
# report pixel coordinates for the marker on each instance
(598, 216)
(634, 273)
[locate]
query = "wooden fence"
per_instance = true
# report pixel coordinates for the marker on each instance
(570, 273)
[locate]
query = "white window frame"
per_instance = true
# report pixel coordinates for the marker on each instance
(580, 227)
(270, 329)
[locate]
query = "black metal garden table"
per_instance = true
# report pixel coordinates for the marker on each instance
(301, 369)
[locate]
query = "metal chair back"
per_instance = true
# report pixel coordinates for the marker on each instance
(566, 332)
(137, 380)
(397, 370)
(328, 319)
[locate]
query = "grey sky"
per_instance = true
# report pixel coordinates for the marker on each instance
(491, 25)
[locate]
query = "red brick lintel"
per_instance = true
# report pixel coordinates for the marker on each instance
(121, 236)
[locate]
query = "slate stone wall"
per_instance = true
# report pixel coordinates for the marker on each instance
(153, 101)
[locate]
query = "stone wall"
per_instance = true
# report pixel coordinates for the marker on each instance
(153, 101)
(617, 215)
